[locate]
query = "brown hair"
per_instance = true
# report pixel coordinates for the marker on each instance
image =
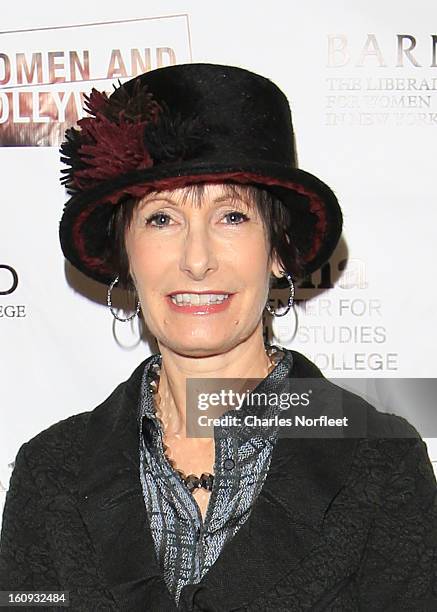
(280, 222)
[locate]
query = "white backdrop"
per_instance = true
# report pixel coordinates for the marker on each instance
(362, 83)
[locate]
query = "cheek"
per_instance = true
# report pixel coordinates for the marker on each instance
(147, 274)
(253, 265)
(143, 259)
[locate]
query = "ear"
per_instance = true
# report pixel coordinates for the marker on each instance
(131, 274)
(276, 269)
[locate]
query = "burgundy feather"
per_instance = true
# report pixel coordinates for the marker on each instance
(110, 141)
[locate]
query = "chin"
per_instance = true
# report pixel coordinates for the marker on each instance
(199, 347)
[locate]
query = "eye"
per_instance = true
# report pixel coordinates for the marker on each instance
(234, 214)
(159, 219)
(160, 216)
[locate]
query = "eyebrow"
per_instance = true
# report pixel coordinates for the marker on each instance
(218, 200)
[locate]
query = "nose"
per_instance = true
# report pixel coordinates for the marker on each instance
(198, 257)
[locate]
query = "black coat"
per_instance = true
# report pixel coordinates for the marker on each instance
(339, 525)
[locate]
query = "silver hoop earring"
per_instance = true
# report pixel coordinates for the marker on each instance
(109, 302)
(290, 298)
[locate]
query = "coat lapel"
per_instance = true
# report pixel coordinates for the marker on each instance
(283, 527)
(112, 505)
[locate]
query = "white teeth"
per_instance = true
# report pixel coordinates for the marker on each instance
(182, 299)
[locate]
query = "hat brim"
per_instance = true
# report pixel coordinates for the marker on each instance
(84, 223)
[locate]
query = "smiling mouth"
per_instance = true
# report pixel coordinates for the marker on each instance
(199, 299)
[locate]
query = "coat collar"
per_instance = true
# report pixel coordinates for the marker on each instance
(305, 475)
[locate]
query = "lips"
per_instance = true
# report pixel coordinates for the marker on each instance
(215, 291)
(200, 309)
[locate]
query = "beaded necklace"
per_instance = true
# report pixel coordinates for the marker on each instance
(205, 480)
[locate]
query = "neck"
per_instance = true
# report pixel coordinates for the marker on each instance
(246, 360)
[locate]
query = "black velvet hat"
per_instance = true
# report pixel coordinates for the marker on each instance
(178, 125)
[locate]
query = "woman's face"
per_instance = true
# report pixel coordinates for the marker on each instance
(220, 247)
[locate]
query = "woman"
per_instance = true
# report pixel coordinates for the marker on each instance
(185, 190)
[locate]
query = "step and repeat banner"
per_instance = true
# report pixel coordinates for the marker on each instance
(362, 85)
